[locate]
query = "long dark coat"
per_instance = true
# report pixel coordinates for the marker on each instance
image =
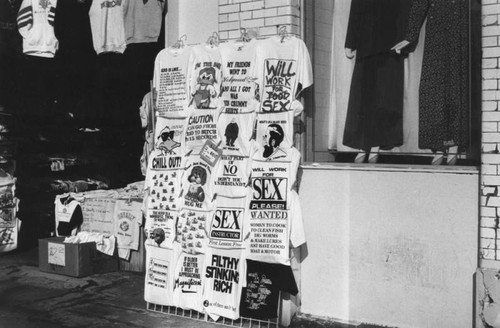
(375, 108)
(444, 85)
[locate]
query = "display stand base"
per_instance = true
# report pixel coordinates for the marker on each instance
(195, 315)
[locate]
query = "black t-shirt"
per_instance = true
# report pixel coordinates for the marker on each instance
(259, 300)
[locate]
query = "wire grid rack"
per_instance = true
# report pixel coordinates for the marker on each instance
(195, 315)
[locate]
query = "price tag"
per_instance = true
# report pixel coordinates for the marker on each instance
(210, 152)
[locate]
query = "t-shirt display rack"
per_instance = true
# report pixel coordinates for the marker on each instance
(255, 99)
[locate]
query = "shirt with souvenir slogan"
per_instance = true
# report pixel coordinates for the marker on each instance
(159, 279)
(128, 219)
(232, 176)
(170, 81)
(204, 76)
(188, 282)
(224, 275)
(235, 131)
(273, 210)
(191, 230)
(238, 88)
(282, 70)
(197, 183)
(264, 282)
(201, 127)
(226, 227)
(169, 135)
(274, 132)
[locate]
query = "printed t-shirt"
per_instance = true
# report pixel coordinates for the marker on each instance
(227, 228)
(68, 215)
(204, 76)
(232, 175)
(282, 69)
(159, 280)
(170, 81)
(169, 135)
(225, 270)
(274, 131)
(238, 88)
(197, 183)
(128, 219)
(235, 131)
(160, 228)
(108, 26)
(264, 282)
(191, 230)
(201, 126)
(188, 282)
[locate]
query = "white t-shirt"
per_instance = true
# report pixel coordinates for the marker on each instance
(191, 230)
(201, 126)
(204, 76)
(238, 88)
(227, 227)
(231, 176)
(160, 228)
(197, 184)
(159, 280)
(188, 280)
(235, 131)
(280, 68)
(171, 83)
(128, 219)
(274, 130)
(170, 135)
(108, 26)
(225, 272)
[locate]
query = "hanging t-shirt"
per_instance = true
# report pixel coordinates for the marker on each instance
(227, 228)
(128, 219)
(35, 21)
(231, 177)
(204, 76)
(142, 20)
(225, 272)
(282, 69)
(108, 26)
(235, 131)
(264, 282)
(197, 183)
(188, 282)
(201, 127)
(163, 180)
(169, 135)
(191, 230)
(238, 89)
(160, 228)
(274, 132)
(159, 280)
(68, 215)
(170, 81)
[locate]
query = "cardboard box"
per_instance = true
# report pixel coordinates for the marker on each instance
(76, 260)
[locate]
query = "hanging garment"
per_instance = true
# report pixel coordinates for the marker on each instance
(68, 215)
(35, 21)
(231, 176)
(226, 228)
(201, 127)
(191, 230)
(128, 219)
(171, 82)
(375, 109)
(235, 130)
(159, 280)
(264, 282)
(108, 26)
(188, 278)
(238, 88)
(143, 20)
(444, 84)
(197, 183)
(225, 272)
(282, 69)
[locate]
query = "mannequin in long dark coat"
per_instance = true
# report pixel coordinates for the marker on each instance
(375, 108)
(444, 85)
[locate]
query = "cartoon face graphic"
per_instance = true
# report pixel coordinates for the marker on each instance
(197, 178)
(158, 235)
(167, 143)
(231, 133)
(207, 76)
(272, 138)
(205, 89)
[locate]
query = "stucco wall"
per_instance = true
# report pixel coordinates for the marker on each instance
(390, 246)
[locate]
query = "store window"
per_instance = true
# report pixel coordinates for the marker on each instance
(395, 81)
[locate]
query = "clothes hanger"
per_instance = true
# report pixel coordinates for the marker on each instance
(179, 44)
(244, 37)
(213, 40)
(283, 33)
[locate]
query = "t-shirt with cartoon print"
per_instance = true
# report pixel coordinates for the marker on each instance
(191, 230)
(235, 131)
(282, 69)
(170, 135)
(225, 272)
(188, 282)
(197, 183)
(170, 80)
(204, 74)
(226, 229)
(274, 131)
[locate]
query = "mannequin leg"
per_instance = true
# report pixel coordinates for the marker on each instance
(452, 157)
(374, 153)
(438, 158)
